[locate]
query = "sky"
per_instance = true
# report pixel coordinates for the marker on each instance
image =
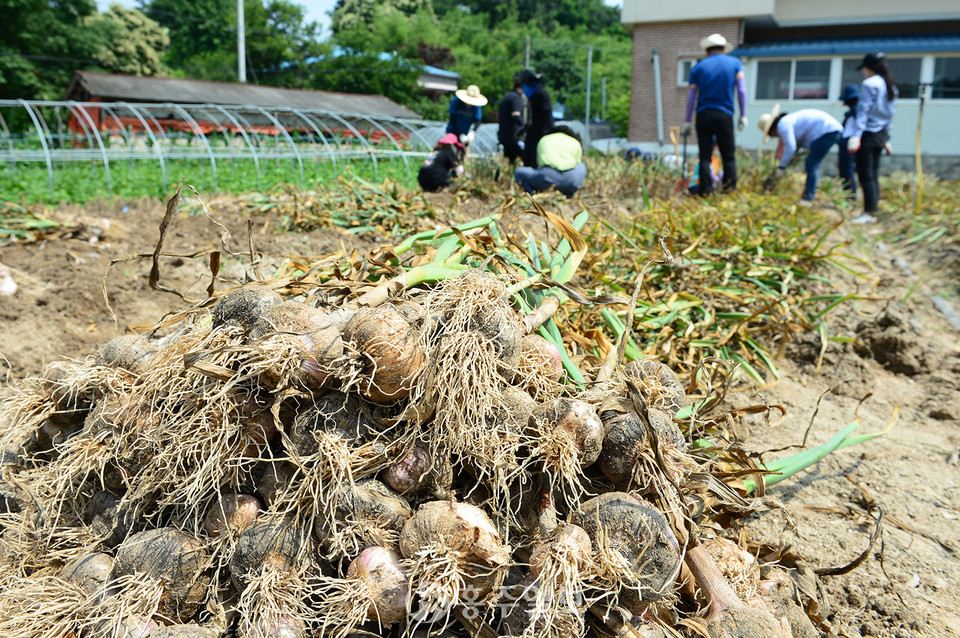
(317, 10)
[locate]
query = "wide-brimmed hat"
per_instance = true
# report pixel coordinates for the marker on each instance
(451, 138)
(766, 121)
(715, 40)
(850, 92)
(472, 96)
(871, 60)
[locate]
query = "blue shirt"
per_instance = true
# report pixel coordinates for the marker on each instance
(462, 116)
(716, 77)
(802, 128)
(874, 110)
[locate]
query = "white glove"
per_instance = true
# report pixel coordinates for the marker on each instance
(464, 139)
(779, 172)
(742, 123)
(853, 144)
(687, 129)
(458, 170)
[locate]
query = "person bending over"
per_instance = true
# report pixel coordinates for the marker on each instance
(807, 128)
(445, 161)
(466, 114)
(560, 164)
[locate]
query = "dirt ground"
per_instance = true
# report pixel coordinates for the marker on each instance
(906, 355)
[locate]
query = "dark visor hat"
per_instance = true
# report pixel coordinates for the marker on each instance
(528, 76)
(871, 60)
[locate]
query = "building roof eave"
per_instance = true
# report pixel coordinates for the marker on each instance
(850, 46)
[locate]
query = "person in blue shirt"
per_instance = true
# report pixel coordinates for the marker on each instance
(870, 133)
(712, 82)
(807, 128)
(846, 161)
(466, 114)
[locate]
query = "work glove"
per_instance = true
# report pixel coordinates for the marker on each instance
(742, 123)
(853, 144)
(771, 182)
(458, 170)
(687, 129)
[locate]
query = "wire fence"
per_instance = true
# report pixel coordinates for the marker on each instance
(57, 134)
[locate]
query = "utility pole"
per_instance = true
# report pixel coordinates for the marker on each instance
(603, 99)
(526, 55)
(586, 117)
(241, 44)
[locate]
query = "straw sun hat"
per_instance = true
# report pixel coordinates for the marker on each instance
(716, 40)
(472, 96)
(767, 119)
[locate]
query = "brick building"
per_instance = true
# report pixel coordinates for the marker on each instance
(799, 54)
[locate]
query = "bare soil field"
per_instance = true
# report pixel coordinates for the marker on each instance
(904, 360)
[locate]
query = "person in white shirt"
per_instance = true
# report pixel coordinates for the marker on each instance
(808, 128)
(870, 134)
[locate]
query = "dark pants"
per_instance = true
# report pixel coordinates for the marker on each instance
(530, 151)
(710, 123)
(847, 167)
(537, 180)
(868, 167)
(511, 151)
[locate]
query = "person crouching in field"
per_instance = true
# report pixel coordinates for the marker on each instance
(559, 163)
(445, 161)
(807, 128)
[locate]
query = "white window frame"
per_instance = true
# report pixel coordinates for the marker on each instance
(927, 62)
(755, 73)
(793, 80)
(683, 79)
(926, 76)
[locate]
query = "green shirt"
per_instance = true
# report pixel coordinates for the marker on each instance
(560, 151)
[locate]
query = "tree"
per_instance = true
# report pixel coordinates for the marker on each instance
(279, 38)
(41, 44)
(196, 27)
(132, 42)
(350, 15)
(544, 15)
(368, 73)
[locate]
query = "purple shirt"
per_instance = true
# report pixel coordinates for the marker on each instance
(716, 77)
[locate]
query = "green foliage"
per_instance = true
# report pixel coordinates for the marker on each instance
(132, 42)
(41, 43)
(278, 36)
(196, 27)
(204, 39)
(365, 72)
(546, 16)
(486, 42)
(352, 15)
(618, 112)
(83, 182)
